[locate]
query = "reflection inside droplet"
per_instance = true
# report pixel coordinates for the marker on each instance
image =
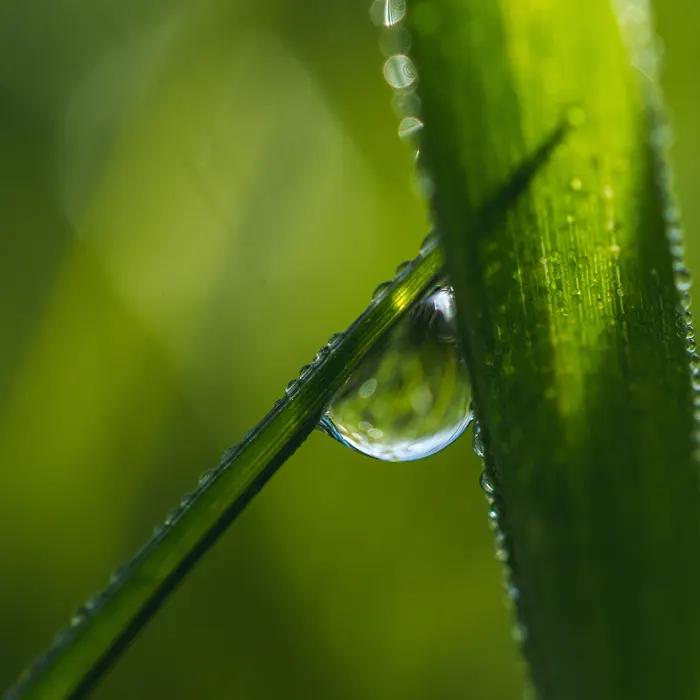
(411, 397)
(399, 71)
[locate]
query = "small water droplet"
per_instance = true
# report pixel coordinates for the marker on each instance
(321, 355)
(478, 440)
(94, 602)
(411, 396)
(118, 574)
(576, 184)
(409, 128)
(674, 235)
(231, 452)
(394, 12)
(172, 516)
(206, 477)
(380, 290)
(501, 554)
(399, 71)
(683, 278)
(291, 387)
(519, 633)
(186, 501)
(486, 484)
(79, 617)
(402, 267)
(513, 592)
(334, 340)
(304, 371)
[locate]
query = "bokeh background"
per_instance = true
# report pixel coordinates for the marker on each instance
(193, 197)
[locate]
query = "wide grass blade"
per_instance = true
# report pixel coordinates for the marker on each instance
(574, 316)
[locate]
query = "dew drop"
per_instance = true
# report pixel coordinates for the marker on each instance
(402, 267)
(576, 184)
(380, 290)
(79, 617)
(411, 396)
(486, 484)
(409, 128)
(399, 71)
(321, 355)
(683, 279)
(172, 516)
(206, 477)
(334, 340)
(291, 387)
(478, 441)
(394, 11)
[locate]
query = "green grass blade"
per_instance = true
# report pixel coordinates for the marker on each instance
(574, 313)
(103, 629)
(107, 624)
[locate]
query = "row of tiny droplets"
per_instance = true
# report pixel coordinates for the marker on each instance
(634, 18)
(401, 75)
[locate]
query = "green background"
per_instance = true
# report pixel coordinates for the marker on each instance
(193, 197)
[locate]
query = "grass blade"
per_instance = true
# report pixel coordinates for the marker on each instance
(574, 314)
(103, 629)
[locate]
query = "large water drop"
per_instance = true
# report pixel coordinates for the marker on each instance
(411, 397)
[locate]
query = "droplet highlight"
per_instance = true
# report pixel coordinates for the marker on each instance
(411, 396)
(399, 71)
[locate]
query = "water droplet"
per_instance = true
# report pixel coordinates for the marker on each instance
(186, 500)
(334, 340)
(478, 440)
(683, 279)
(118, 574)
(409, 128)
(79, 616)
(402, 267)
(304, 371)
(399, 71)
(291, 387)
(411, 396)
(321, 355)
(206, 477)
(172, 516)
(486, 484)
(394, 11)
(231, 452)
(380, 290)
(576, 184)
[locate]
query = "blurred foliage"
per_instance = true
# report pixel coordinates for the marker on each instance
(193, 197)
